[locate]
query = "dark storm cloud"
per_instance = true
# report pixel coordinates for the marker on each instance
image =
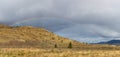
(77, 19)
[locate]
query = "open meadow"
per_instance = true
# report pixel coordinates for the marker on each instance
(33, 52)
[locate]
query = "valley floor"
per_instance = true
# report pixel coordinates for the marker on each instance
(33, 52)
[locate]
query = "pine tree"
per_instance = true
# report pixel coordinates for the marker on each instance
(56, 46)
(70, 45)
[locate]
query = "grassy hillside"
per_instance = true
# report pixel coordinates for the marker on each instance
(27, 41)
(27, 36)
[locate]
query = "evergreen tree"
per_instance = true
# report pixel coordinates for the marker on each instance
(56, 46)
(70, 45)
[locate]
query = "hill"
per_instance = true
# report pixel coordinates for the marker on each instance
(27, 36)
(111, 42)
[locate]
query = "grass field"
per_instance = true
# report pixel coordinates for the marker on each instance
(32, 52)
(26, 41)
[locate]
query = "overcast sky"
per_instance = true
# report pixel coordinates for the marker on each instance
(82, 20)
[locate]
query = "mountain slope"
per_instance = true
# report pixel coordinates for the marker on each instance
(112, 42)
(27, 36)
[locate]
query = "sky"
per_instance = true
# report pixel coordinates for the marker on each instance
(88, 21)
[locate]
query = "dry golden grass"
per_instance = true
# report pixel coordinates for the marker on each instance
(32, 52)
(28, 41)
(27, 35)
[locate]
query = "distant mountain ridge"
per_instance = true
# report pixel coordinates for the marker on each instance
(112, 42)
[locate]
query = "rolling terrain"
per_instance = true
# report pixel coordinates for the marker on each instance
(34, 37)
(27, 41)
(27, 36)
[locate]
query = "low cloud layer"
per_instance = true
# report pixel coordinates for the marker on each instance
(83, 20)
